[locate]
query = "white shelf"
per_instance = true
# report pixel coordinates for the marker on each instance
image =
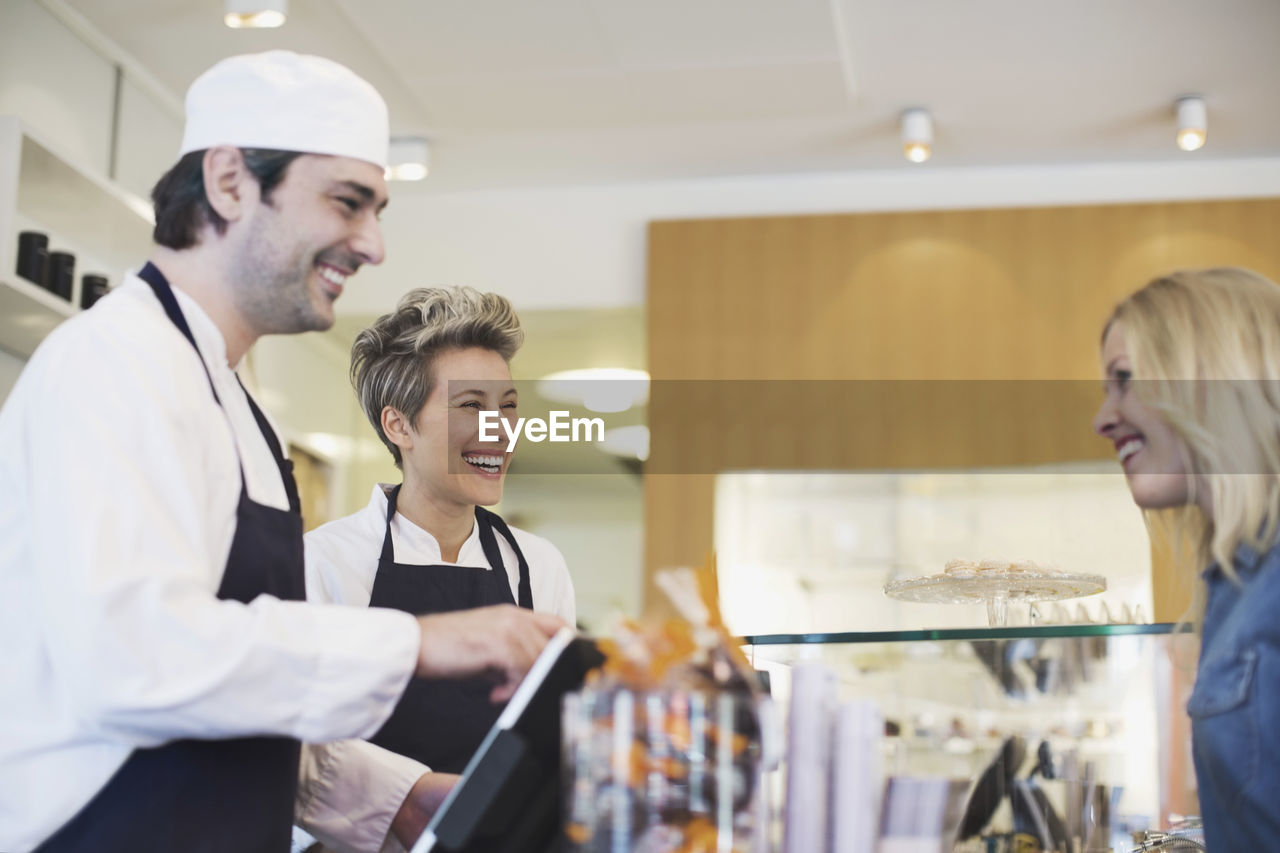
(107, 228)
(28, 313)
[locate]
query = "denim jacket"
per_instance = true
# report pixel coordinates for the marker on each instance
(1235, 706)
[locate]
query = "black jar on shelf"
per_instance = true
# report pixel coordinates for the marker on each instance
(92, 288)
(62, 273)
(33, 257)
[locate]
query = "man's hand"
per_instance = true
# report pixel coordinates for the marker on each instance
(420, 806)
(499, 642)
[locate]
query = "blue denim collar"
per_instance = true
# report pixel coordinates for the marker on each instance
(1246, 561)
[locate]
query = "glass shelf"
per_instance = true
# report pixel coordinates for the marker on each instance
(1010, 633)
(1102, 701)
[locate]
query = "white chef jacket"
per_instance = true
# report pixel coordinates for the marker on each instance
(119, 482)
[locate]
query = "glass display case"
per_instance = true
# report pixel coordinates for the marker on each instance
(1067, 737)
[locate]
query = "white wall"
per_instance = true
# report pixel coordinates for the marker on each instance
(585, 247)
(150, 135)
(55, 82)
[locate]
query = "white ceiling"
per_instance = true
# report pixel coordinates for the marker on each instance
(546, 93)
(556, 92)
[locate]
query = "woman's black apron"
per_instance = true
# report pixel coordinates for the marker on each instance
(208, 796)
(441, 722)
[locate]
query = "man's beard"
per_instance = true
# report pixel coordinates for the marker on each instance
(272, 289)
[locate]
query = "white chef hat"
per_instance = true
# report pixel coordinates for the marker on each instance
(289, 102)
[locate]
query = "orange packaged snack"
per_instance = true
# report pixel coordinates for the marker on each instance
(662, 747)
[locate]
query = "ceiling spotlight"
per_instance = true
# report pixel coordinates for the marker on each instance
(408, 158)
(1193, 122)
(255, 14)
(917, 135)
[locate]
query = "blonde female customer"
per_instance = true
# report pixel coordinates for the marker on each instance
(1192, 377)
(423, 374)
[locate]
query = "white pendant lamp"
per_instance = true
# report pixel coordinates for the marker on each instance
(408, 159)
(1193, 122)
(255, 14)
(917, 135)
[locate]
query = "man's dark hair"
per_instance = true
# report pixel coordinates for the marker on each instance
(182, 208)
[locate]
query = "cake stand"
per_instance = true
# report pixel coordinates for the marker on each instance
(996, 588)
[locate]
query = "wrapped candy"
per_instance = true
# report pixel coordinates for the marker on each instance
(662, 747)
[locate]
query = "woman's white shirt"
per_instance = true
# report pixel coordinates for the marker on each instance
(342, 558)
(119, 482)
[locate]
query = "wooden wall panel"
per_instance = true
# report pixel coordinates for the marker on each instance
(1012, 294)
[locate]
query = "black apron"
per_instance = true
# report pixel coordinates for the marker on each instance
(208, 796)
(441, 722)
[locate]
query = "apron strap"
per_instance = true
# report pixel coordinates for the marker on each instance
(160, 287)
(388, 553)
(164, 292)
(285, 465)
(490, 521)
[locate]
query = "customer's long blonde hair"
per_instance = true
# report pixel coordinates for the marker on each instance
(1205, 347)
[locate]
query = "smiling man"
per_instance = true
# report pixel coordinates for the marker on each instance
(160, 670)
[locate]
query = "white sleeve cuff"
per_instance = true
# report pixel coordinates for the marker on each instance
(365, 664)
(349, 792)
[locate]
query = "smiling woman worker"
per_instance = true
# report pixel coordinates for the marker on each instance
(1206, 455)
(423, 374)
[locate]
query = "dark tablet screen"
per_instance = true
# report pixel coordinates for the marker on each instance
(508, 800)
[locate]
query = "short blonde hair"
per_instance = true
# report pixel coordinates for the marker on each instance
(391, 361)
(1221, 325)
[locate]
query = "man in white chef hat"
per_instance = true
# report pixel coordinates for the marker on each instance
(160, 668)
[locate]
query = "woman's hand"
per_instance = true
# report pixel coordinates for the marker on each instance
(420, 806)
